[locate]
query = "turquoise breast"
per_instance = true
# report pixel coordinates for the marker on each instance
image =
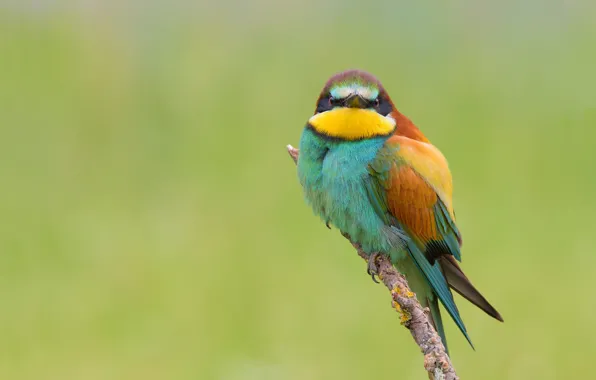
(333, 174)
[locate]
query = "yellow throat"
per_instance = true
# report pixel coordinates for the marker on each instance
(352, 123)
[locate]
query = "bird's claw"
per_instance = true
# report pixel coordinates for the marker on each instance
(372, 269)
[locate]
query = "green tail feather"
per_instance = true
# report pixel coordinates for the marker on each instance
(434, 277)
(435, 314)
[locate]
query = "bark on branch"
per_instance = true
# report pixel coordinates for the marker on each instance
(413, 316)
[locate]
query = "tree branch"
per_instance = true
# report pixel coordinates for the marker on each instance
(413, 316)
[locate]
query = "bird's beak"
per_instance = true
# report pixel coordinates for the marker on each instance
(355, 101)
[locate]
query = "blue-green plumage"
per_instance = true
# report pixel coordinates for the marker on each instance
(333, 174)
(338, 185)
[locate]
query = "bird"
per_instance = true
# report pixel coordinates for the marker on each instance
(368, 171)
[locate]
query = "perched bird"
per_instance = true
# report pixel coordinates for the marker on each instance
(367, 170)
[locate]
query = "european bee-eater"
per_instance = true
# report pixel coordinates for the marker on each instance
(369, 171)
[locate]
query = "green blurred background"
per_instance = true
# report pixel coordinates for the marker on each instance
(153, 226)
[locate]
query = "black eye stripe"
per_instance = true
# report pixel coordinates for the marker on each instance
(381, 104)
(336, 102)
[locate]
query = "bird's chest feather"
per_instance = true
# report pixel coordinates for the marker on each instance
(333, 176)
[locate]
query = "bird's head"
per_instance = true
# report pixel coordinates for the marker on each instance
(353, 106)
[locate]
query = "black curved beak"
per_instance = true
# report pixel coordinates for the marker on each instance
(356, 101)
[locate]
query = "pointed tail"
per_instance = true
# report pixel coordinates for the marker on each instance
(436, 280)
(458, 281)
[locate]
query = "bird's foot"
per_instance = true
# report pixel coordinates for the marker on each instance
(372, 268)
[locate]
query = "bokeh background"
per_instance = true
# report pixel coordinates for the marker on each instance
(153, 226)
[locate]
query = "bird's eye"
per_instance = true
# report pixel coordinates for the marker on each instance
(382, 106)
(324, 104)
